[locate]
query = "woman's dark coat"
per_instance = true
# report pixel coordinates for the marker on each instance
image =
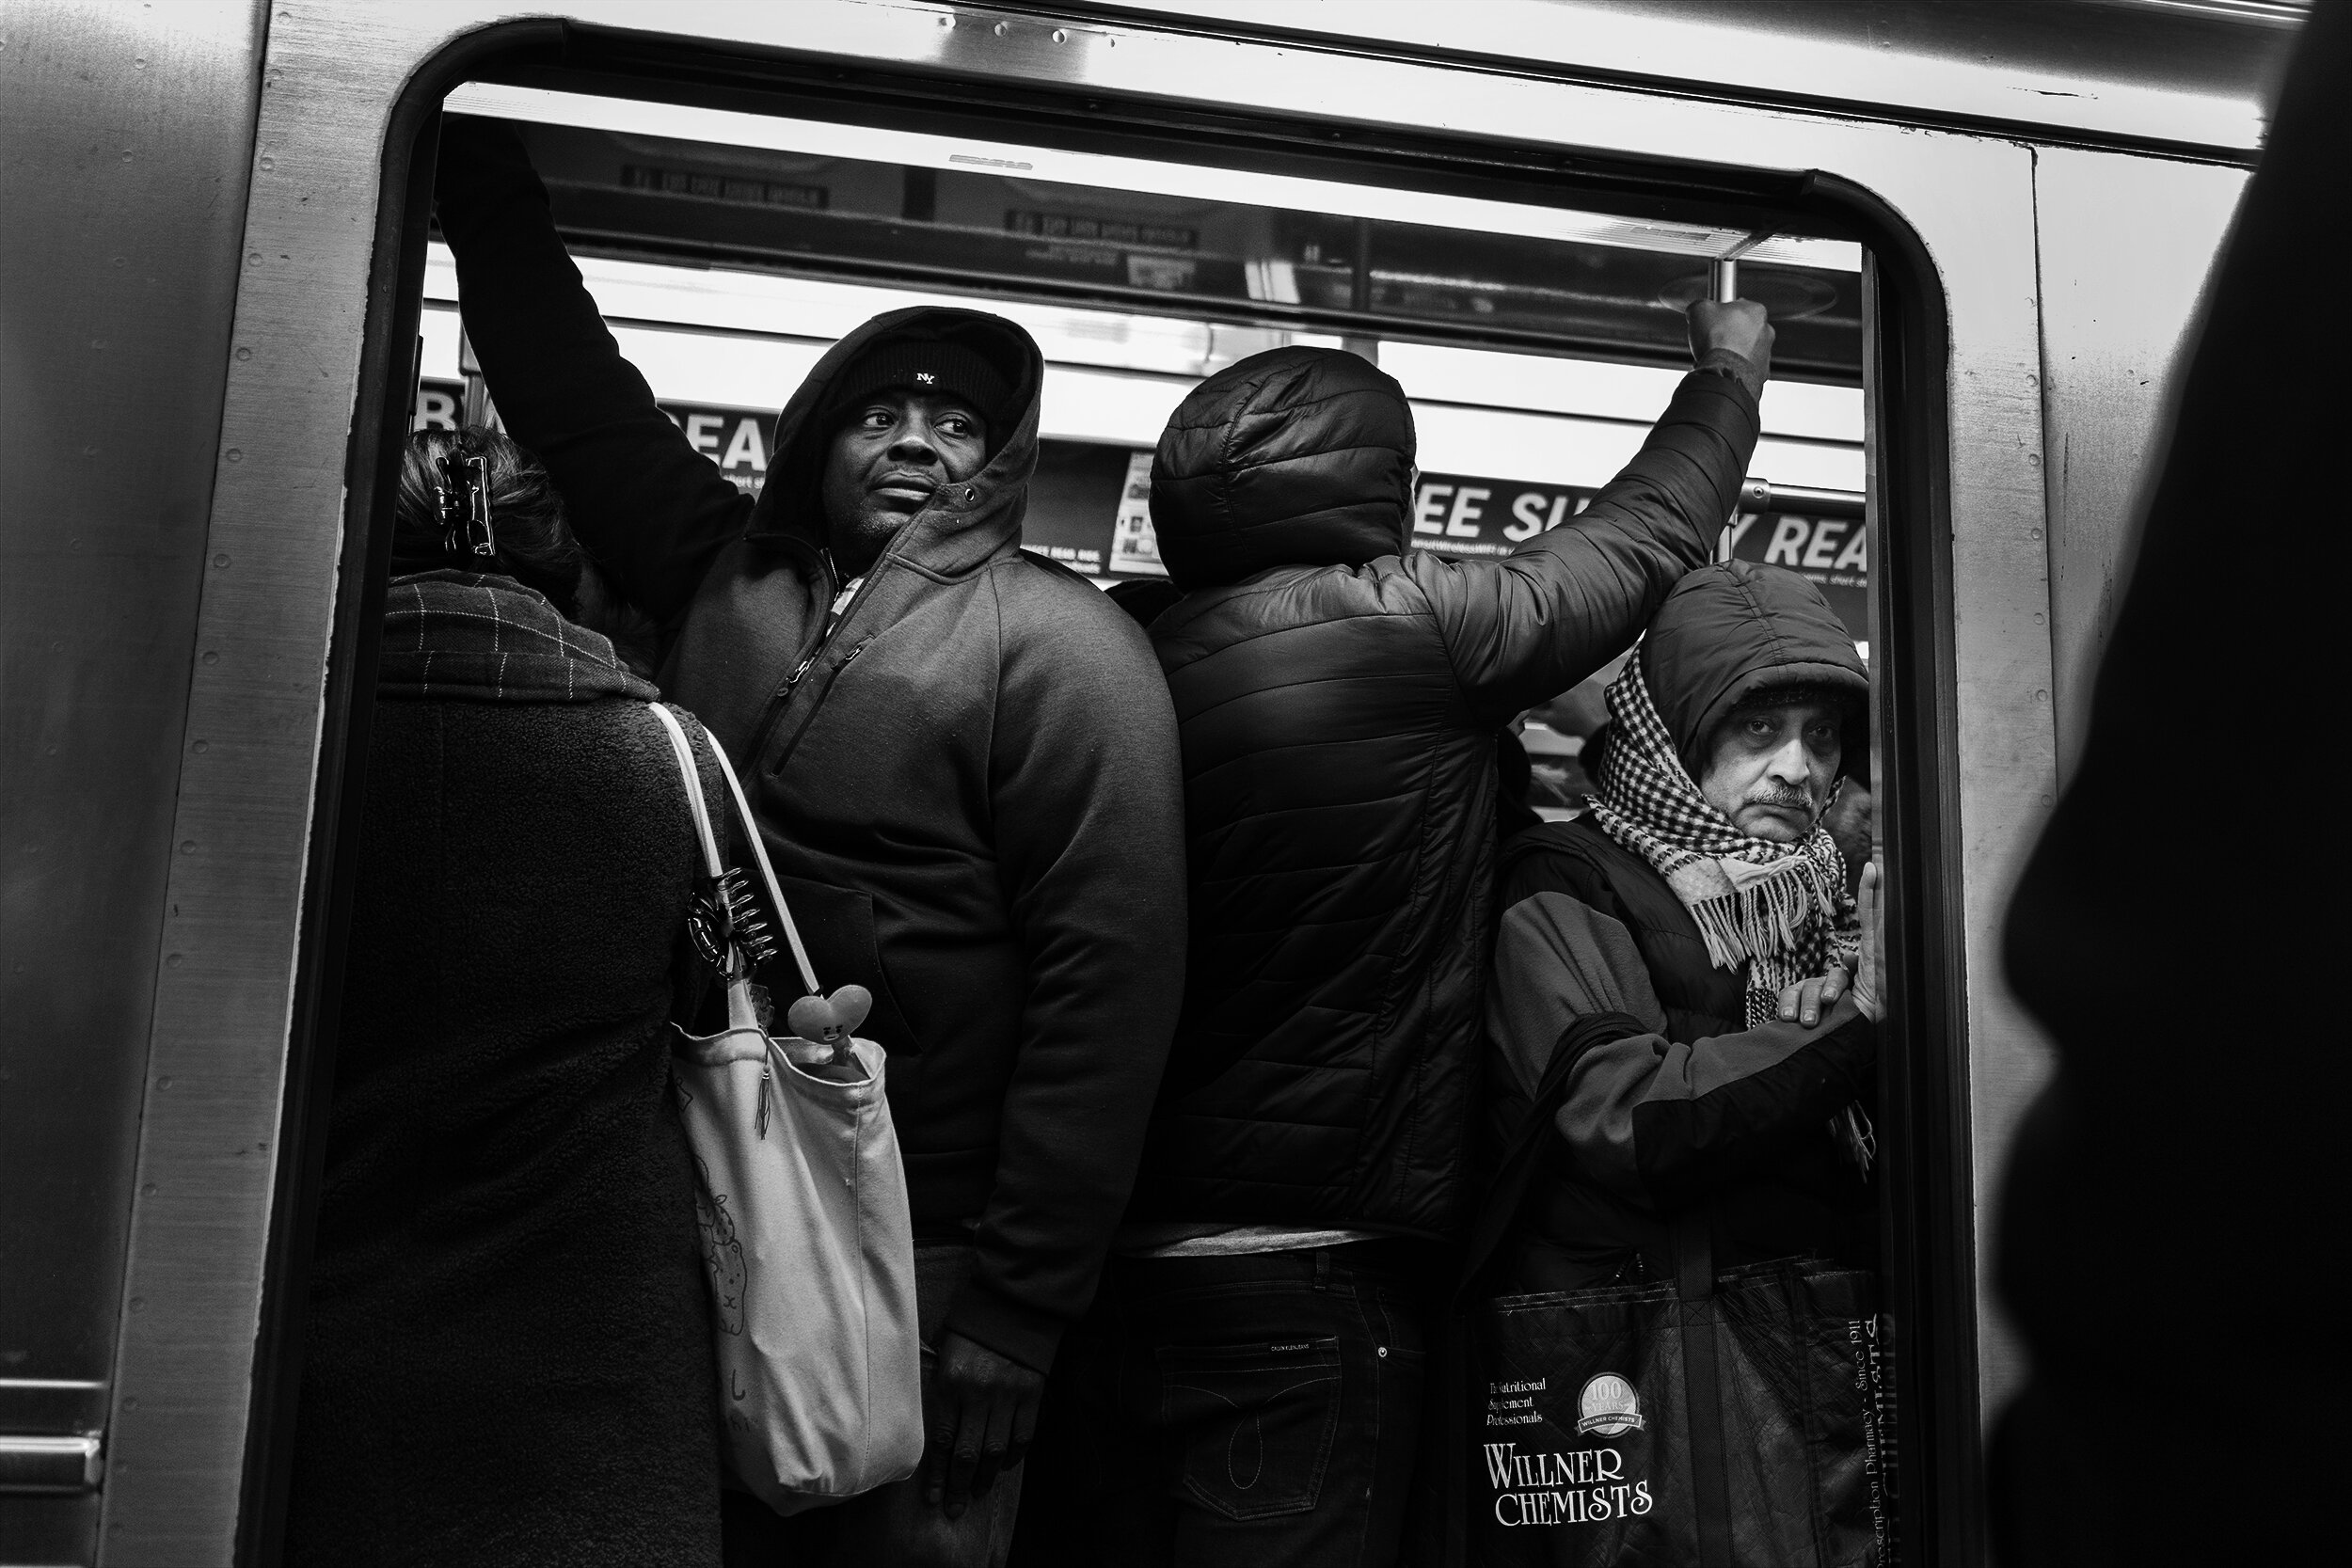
(1338, 699)
(508, 1357)
(968, 781)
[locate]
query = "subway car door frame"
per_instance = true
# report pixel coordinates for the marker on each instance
(328, 305)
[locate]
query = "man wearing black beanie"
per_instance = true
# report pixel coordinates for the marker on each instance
(962, 760)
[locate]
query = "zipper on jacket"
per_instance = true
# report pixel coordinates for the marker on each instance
(783, 699)
(783, 694)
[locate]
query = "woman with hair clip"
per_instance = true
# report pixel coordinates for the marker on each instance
(508, 1354)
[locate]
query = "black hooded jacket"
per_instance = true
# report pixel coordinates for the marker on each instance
(1698, 1109)
(969, 782)
(1338, 701)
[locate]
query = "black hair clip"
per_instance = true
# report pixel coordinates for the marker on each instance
(462, 503)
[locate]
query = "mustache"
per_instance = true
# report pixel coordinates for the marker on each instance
(1789, 802)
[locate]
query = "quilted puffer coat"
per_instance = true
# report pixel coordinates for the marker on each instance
(1338, 699)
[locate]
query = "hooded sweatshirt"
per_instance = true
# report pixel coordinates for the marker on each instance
(966, 778)
(1338, 699)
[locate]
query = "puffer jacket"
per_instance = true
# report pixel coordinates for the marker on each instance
(967, 779)
(1338, 701)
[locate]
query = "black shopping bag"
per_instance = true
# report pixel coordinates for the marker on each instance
(1737, 1421)
(1630, 1426)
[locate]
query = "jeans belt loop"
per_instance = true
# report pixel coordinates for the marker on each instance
(1322, 1268)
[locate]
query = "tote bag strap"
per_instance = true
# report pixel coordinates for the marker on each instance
(685, 752)
(1703, 1386)
(1517, 1170)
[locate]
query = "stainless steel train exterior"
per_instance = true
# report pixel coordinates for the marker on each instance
(209, 251)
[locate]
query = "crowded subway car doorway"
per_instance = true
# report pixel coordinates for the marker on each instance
(1535, 343)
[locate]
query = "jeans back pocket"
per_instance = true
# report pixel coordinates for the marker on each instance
(1250, 1426)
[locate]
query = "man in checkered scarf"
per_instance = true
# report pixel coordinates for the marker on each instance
(1727, 807)
(1699, 912)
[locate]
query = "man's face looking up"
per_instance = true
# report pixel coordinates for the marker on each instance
(895, 449)
(1771, 766)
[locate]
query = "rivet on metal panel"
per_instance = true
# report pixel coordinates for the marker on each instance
(245, 354)
(236, 455)
(171, 961)
(253, 259)
(1001, 29)
(221, 560)
(187, 847)
(202, 746)
(268, 163)
(138, 1303)
(946, 21)
(212, 657)
(1061, 35)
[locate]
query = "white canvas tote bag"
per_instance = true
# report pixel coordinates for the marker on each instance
(805, 1228)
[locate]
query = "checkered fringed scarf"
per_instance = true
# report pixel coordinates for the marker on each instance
(489, 639)
(1780, 908)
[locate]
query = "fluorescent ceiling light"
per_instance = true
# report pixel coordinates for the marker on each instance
(775, 133)
(813, 311)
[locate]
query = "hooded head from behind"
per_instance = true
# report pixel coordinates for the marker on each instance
(1292, 457)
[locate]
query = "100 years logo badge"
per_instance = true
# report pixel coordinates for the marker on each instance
(1608, 1406)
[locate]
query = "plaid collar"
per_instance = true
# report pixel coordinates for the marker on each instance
(1781, 908)
(450, 634)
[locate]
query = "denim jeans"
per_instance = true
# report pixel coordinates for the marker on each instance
(891, 1527)
(1233, 1412)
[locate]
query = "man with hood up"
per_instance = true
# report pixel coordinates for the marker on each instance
(1338, 698)
(1706, 875)
(963, 763)
(1688, 948)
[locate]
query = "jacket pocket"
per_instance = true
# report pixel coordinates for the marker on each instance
(836, 925)
(1251, 1426)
